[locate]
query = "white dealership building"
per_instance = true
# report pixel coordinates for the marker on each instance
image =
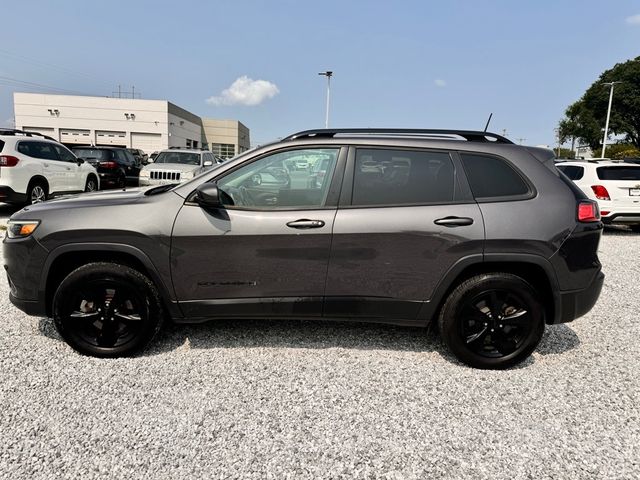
(150, 125)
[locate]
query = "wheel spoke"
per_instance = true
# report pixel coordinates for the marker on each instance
(89, 316)
(516, 318)
(131, 317)
(504, 344)
(495, 305)
(107, 335)
(477, 337)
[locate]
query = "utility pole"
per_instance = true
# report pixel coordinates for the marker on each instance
(327, 74)
(606, 125)
(520, 140)
(557, 132)
(504, 132)
(133, 91)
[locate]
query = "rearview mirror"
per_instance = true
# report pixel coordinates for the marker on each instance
(208, 196)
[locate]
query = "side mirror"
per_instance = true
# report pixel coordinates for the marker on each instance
(208, 196)
(79, 161)
(207, 163)
(150, 160)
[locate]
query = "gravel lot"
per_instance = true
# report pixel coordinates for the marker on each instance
(300, 400)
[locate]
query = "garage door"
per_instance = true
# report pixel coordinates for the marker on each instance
(75, 136)
(148, 142)
(106, 137)
(43, 130)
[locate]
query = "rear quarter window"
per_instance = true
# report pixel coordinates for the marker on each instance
(493, 178)
(1, 145)
(618, 173)
(574, 172)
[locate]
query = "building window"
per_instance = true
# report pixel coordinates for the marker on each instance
(224, 150)
(188, 143)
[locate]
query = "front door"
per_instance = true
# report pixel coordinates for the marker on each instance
(404, 223)
(266, 253)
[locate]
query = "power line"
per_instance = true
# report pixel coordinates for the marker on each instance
(24, 83)
(48, 65)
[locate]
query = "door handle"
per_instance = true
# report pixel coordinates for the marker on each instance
(454, 221)
(305, 224)
(46, 165)
(68, 168)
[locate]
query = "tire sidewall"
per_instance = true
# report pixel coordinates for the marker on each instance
(450, 323)
(32, 186)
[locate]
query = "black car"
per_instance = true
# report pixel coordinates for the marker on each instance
(116, 166)
(483, 239)
(141, 157)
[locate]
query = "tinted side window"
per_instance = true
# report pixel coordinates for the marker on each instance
(41, 150)
(64, 154)
(492, 177)
(572, 171)
(402, 177)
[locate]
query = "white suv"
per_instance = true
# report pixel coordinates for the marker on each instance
(34, 167)
(615, 185)
(177, 165)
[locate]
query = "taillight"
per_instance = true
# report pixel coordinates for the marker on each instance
(588, 212)
(605, 212)
(601, 192)
(108, 164)
(8, 161)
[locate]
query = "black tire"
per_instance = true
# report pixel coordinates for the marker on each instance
(635, 228)
(122, 181)
(37, 191)
(91, 185)
(99, 291)
(492, 321)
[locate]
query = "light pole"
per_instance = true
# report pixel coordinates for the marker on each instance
(327, 74)
(606, 125)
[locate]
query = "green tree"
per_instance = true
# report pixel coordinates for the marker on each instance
(585, 118)
(619, 151)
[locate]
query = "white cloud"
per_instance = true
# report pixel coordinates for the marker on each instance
(438, 82)
(245, 91)
(633, 20)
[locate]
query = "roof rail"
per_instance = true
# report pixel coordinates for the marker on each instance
(468, 135)
(15, 131)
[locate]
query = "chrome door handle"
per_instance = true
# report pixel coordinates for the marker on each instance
(454, 221)
(304, 224)
(46, 165)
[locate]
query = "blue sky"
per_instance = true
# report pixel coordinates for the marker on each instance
(420, 64)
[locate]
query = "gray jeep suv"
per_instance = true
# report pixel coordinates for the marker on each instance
(483, 239)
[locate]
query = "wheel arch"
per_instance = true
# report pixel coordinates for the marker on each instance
(63, 260)
(41, 179)
(534, 269)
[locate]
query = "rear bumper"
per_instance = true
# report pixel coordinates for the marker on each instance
(622, 218)
(577, 303)
(7, 194)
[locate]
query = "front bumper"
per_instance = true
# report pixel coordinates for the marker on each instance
(577, 303)
(24, 259)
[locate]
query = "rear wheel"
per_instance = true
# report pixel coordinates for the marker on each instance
(122, 181)
(37, 192)
(107, 310)
(492, 321)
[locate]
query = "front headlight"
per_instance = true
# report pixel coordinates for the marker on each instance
(21, 228)
(144, 173)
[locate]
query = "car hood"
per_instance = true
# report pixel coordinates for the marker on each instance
(84, 200)
(174, 167)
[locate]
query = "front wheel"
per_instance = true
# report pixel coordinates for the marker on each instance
(91, 185)
(492, 321)
(107, 310)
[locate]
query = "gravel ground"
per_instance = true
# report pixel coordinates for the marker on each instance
(248, 399)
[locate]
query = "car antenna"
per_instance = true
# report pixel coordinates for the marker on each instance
(488, 121)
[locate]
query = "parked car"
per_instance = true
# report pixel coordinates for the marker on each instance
(463, 230)
(615, 185)
(176, 165)
(116, 166)
(34, 167)
(141, 157)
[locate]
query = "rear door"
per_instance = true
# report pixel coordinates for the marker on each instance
(266, 253)
(405, 219)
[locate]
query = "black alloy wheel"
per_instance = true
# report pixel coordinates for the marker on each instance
(492, 321)
(107, 310)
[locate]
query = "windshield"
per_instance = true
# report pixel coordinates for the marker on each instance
(182, 158)
(92, 153)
